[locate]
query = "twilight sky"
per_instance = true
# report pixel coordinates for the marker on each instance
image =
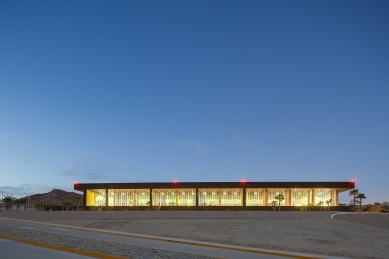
(153, 91)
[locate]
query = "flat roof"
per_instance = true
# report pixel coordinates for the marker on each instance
(341, 186)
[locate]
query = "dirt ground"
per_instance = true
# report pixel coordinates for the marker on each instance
(307, 234)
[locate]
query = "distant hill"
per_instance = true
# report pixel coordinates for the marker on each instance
(55, 197)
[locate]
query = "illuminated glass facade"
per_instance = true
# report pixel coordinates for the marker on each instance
(321, 196)
(271, 196)
(255, 197)
(300, 197)
(96, 197)
(171, 197)
(127, 197)
(221, 195)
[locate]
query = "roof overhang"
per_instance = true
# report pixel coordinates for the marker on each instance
(340, 186)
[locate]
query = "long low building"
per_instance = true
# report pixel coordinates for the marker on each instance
(222, 194)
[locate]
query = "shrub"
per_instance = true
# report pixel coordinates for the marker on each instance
(95, 208)
(367, 208)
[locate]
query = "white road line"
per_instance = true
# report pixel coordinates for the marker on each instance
(26, 228)
(339, 213)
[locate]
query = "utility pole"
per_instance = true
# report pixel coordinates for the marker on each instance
(2, 202)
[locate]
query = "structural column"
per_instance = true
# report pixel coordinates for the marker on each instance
(244, 197)
(197, 197)
(289, 198)
(106, 197)
(313, 197)
(265, 203)
(151, 198)
(83, 199)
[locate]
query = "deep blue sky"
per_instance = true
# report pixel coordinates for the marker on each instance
(141, 91)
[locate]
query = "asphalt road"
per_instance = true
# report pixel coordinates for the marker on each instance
(12, 249)
(158, 244)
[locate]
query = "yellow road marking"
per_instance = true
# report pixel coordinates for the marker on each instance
(66, 249)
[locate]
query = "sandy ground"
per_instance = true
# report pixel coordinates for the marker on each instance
(380, 220)
(299, 232)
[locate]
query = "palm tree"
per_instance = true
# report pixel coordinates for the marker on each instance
(353, 192)
(8, 200)
(21, 201)
(328, 203)
(50, 206)
(360, 196)
(77, 201)
(320, 204)
(38, 206)
(66, 205)
(273, 204)
(279, 197)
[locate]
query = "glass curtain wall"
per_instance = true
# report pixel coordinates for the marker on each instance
(321, 196)
(142, 197)
(126, 197)
(220, 197)
(271, 196)
(179, 197)
(232, 197)
(300, 197)
(186, 197)
(95, 197)
(255, 197)
(209, 197)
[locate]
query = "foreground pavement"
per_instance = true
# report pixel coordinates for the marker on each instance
(191, 248)
(11, 249)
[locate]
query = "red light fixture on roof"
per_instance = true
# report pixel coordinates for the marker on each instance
(243, 181)
(175, 181)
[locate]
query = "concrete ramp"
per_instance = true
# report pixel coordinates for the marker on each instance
(380, 220)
